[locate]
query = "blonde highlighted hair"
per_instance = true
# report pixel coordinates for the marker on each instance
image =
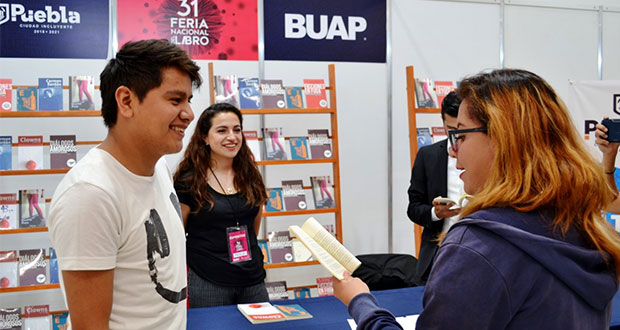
(540, 162)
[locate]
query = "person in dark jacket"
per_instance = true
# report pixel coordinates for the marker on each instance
(532, 250)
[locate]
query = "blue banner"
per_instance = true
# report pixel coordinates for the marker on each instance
(325, 30)
(54, 29)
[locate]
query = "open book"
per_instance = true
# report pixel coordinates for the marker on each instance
(325, 248)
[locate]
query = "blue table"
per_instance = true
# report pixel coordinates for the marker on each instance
(328, 312)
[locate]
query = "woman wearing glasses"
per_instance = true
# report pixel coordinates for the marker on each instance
(532, 250)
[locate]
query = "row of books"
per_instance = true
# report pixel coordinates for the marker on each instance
(427, 136)
(430, 94)
(280, 247)
(254, 93)
(316, 146)
(292, 196)
(278, 290)
(48, 95)
(28, 267)
(26, 209)
(62, 151)
(35, 318)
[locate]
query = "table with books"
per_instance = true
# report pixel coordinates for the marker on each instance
(327, 312)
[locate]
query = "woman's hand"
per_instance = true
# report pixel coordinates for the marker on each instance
(607, 148)
(349, 287)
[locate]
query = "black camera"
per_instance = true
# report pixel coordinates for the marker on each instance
(613, 129)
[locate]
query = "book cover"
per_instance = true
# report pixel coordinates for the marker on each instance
(226, 90)
(8, 269)
(330, 229)
(81, 91)
(424, 137)
(302, 293)
(443, 88)
(11, 318)
(294, 312)
(261, 312)
(249, 93)
(8, 211)
(31, 208)
(50, 94)
(323, 192)
(251, 139)
(6, 153)
(320, 144)
(26, 98)
(272, 93)
(325, 286)
(299, 147)
(438, 133)
(315, 93)
(425, 96)
(294, 97)
(37, 317)
(53, 266)
(60, 321)
(277, 290)
(63, 151)
(294, 195)
(275, 202)
(300, 252)
(280, 247)
(6, 94)
(30, 152)
(263, 244)
(273, 140)
(32, 267)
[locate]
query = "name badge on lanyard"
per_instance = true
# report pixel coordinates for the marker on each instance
(238, 244)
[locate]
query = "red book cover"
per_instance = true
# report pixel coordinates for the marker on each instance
(443, 88)
(6, 94)
(325, 286)
(315, 93)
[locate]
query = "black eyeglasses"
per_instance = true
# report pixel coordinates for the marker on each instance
(454, 135)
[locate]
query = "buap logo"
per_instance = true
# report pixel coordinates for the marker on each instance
(616, 105)
(4, 12)
(297, 26)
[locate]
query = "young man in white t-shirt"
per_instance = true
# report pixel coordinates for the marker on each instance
(115, 219)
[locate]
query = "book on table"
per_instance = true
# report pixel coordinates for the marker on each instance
(294, 312)
(325, 248)
(261, 312)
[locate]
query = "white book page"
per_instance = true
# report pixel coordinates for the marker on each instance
(315, 230)
(331, 264)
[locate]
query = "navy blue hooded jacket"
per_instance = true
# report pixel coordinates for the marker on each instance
(504, 269)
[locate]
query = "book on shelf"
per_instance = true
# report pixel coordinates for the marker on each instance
(325, 286)
(249, 93)
(8, 269)
(63, 151)
(37, 317)
(6, 94)
(294, 312)
(264, 247)
(32, 267)
(320, 144)
(274, 200)
(300, 252)
(323, 192)
(280, 247)
(277, 290)
(81, 90)
(315, 93)
(26, 97)
(301, 293)
(226, 90)
(30, 152)
(294, 98)
(325, 248)
(272, 93)
(273, 140)
(425, 96)
(251, 139)
(31, 208)
(443, 88)
(8, 211)
(53, 266)
(294, 195)
(424, 137)
(60, 321)
(50, 94)
(330, 229)
(299, 147)
(261, 312)
(11, 318)
(438, 133)
(6, 153)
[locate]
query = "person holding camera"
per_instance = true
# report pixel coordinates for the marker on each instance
(610, 152)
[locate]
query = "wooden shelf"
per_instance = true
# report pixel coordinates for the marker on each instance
(299, 212)
(23, 230)
(294, 162)
(30, 288)
(35, 172)
(291, 264)
(60, 113)
(286, 111)
(77, 143)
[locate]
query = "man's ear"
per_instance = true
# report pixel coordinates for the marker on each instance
(125, 101)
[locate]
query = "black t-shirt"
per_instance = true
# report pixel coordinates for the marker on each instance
(207, 241)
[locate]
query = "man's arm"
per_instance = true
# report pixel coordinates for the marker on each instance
(89, 298)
